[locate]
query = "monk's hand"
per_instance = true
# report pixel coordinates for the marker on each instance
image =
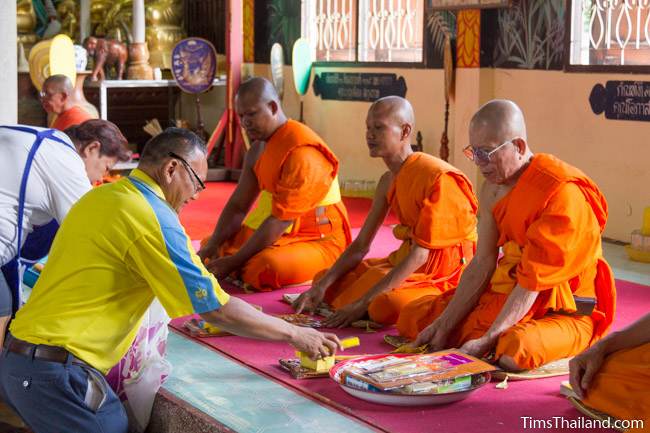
(346, 315)
(208, 251)
(315, 344)
(583, 367)
(223, 266)
(309, 300)
(435, 336)
(477, 347)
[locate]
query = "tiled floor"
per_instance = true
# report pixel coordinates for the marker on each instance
(624, 268)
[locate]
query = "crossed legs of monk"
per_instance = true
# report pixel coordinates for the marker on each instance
(285, 263)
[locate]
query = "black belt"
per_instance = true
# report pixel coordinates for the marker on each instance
(40, 351)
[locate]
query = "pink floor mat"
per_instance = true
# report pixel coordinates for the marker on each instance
(487, 410)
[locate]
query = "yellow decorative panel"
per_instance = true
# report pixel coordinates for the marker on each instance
(468, 41)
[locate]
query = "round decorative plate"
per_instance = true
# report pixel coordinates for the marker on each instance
(395, 399)
(194, 64)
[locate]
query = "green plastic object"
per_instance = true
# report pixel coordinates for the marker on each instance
(301, 65)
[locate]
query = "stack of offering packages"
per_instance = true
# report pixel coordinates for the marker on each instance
(431, 373)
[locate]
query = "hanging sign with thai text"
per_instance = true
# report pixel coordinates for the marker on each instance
(346, 86)
(622, 100)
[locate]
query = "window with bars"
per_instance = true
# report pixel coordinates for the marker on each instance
(609, 34)
(364, 30)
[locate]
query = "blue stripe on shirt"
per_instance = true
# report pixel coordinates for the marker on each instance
(199, 287)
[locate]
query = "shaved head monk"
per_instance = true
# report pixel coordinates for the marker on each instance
(299, 225)
(436, 207)
(57, 98)
(613, 375)
(551, 295)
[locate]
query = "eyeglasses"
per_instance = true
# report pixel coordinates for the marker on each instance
(481, 156)
(43, 94)
(189, 169)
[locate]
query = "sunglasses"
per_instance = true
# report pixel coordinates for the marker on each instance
(189, 169)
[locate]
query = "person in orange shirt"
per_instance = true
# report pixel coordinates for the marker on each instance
(299, 225)
(613, 376)
(551, 295)
(436, 207)
(56, 99)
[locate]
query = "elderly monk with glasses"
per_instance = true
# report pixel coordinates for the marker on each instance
(551, 294)
(57, 98)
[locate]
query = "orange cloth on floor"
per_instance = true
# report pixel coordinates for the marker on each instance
(436, 207)
(621, 388)
(297, 169)
(549, 226)
(74, 116)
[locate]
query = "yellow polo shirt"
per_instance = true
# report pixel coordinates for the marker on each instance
(119, 246)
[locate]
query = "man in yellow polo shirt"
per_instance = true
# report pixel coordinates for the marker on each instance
(119, 247)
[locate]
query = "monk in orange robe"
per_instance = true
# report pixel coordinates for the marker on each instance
(613, 376)
(299, 225)
(436, 207)
(57, 99)
(552, 294)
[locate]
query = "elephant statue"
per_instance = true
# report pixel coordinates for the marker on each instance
(107, 53)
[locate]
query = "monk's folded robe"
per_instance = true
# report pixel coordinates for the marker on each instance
(436, 207)
(297, 176)
(621, 388)
(550, 227)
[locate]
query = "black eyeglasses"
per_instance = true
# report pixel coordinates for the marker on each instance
(189, 169)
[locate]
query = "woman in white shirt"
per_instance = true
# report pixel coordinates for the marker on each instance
(43, 172)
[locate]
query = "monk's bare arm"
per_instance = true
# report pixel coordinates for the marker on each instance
(265, 235)
(634, 335)
(477, 275)
(519, 302)
(354, 253)
(358, 249)
(238, 204)
(584, 367)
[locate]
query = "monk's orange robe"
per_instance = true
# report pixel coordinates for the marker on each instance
(436, 207)
(74, 116)
(298, 170)
(550, 225)
(621, 388)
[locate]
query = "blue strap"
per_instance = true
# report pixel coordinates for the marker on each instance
(36, 132)
(40, 136)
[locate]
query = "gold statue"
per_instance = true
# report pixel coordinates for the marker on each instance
(98, 11)
(68, 12)
(163, 25)
(164, 30)
(26, 23)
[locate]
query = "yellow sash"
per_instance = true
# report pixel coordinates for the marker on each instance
(403, 233)
(504, 280)
(262, 210)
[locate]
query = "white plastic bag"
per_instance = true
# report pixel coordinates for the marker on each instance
(139, 375)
